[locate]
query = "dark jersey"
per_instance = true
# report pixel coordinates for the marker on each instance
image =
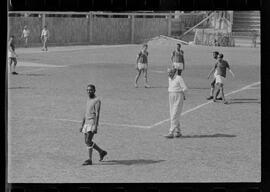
(143, 57)
(178, 56)
(221, 67)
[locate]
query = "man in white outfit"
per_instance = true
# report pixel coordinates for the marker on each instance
(177, 89)
(44, 38)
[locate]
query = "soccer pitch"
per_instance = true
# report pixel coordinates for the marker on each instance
(46, 102)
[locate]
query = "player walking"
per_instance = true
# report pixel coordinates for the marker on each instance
(177, 89)
(90, 124)
(12, 56)
(142, 65)
(44, 38)
(220, 67)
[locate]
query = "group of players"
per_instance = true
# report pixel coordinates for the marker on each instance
(177, 90)
(12, 56)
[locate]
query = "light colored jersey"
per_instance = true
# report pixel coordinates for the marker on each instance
(11, 53)
(26, 32)
(177, 84)
(45, 33)
(92, 106)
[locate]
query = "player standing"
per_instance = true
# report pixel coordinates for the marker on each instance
(12, 56)
(90, 124)
(44, 38)
(142, 66)
(220, 67)
(177, 89)
(178, 60)
(25, 35)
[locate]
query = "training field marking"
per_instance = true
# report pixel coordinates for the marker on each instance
(30, 64)
(199, 106)
(69, 48)
(141, 126)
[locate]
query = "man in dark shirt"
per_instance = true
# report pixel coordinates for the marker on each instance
(220, 74)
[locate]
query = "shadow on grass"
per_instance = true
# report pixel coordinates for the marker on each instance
(207, 136)
(243, 100)
(131, 162)
(33, 74)
(20, 88)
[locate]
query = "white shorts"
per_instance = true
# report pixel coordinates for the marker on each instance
(219, 79)
(142, 66)
(178, 65)
(11, 55)
(88, 127)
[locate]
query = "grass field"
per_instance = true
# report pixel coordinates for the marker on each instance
(46, 101)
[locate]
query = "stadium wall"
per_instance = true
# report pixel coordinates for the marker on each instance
(89, 28)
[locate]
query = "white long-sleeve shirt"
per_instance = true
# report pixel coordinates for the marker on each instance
(177, 84)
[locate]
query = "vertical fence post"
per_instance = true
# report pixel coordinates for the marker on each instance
(132, 28)
(43, 20)
(169, 24)
(91, 27)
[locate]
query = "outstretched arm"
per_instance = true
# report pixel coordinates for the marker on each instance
(231, 72)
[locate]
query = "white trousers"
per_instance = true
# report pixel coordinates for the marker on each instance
(176, 100)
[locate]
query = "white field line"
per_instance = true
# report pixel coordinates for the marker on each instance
(199, 106)
(68, 48)
(101, 123)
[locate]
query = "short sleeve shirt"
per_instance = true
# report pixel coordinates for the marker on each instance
(45, 33)
(143, 57)
(178, 56)
(26, 32)
(221, 67)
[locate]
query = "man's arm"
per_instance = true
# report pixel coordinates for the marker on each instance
(83, 121)
(212, 70)
(184, 63)
(229, 68)
(97, 108)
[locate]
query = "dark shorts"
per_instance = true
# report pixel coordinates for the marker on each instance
(13, 59)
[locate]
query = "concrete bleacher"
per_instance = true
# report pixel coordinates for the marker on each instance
(246, 28)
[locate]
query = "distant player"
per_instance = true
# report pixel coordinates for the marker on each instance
(178, 60)
(142, 66)
(177, 89)
(44, 38)
(215, 56)
(25, 35)
(90, 124)
(221, 66)
(12, 56)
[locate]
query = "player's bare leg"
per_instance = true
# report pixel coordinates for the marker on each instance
(222, 94)
(137, 77)
(146, 85)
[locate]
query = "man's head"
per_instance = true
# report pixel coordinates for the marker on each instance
(91, 89)
(178, 46)
(144, 47)
(25, 27)
(12, 37)
(45, 26)
(171, 72)
(215, 54)
(220, 57)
